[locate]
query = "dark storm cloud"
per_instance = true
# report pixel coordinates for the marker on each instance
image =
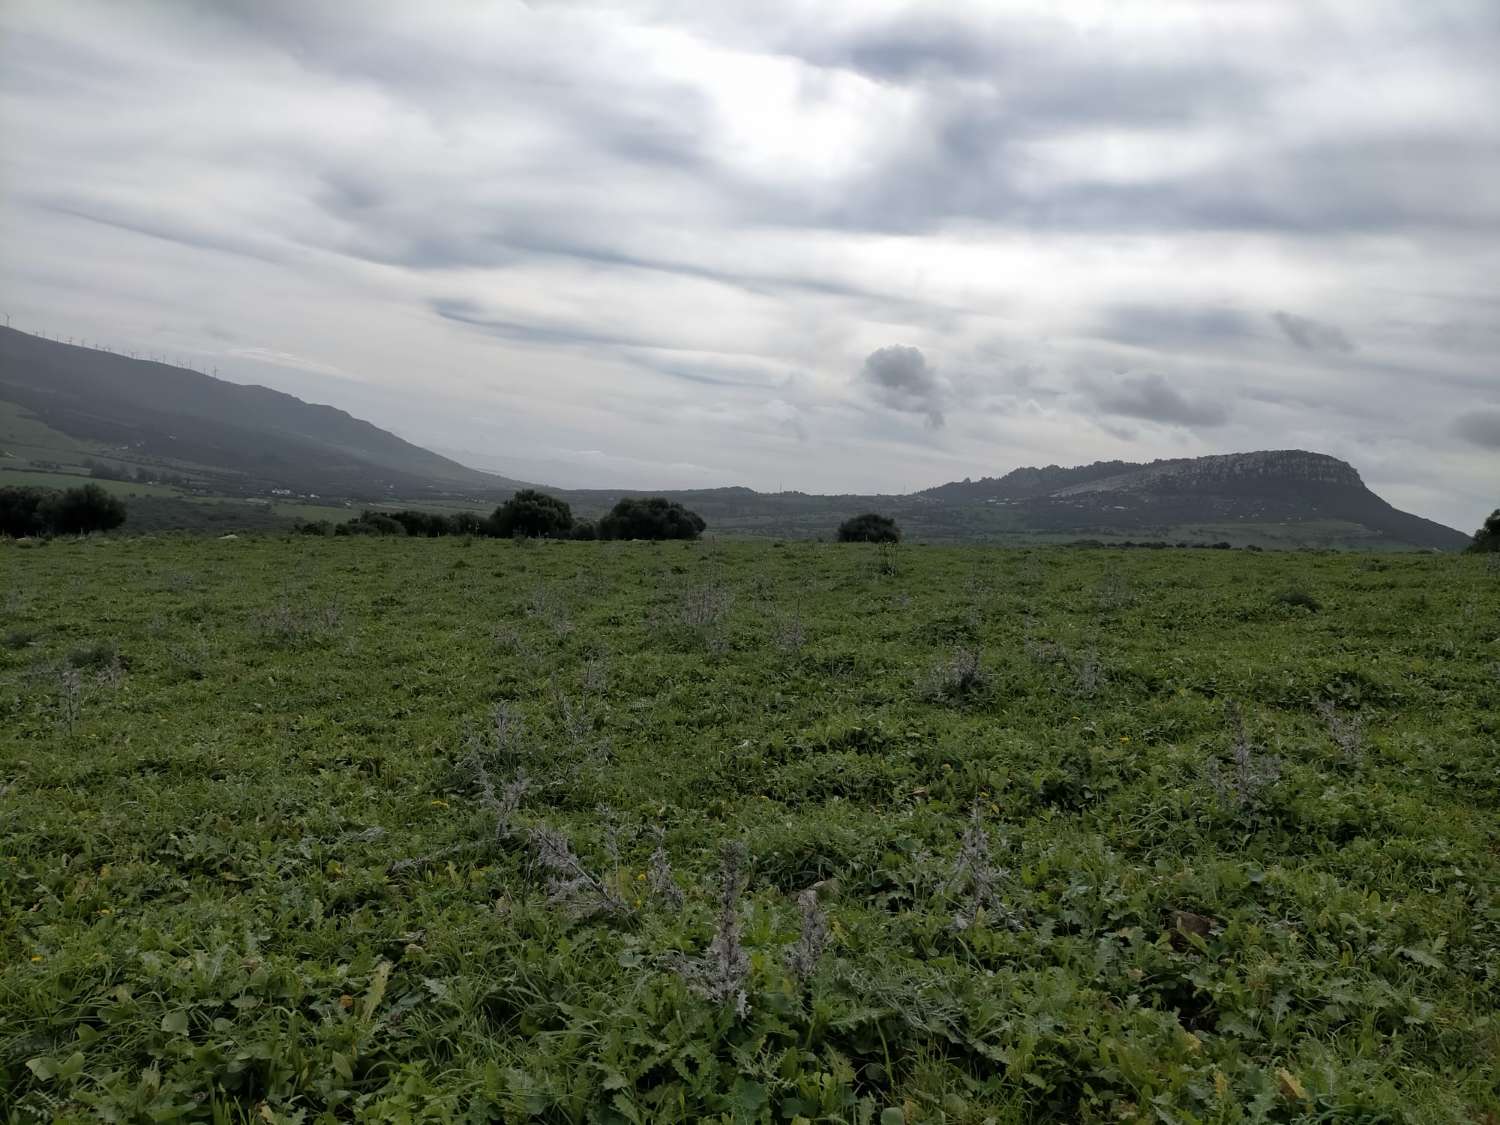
(1482, 427)
(1312, 335)
(900, 378)
(1151, 398)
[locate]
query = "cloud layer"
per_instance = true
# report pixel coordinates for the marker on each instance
(857, 246)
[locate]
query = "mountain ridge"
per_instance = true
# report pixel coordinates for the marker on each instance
(262, 436)
(249, 440)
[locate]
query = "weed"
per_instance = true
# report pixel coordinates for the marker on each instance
(19, 638)
(1250, 773)
(1347, 732)
(812, 936)
(979, 878)
(957, 678)
(570, 885)
(1087, 675)
(722, 974)
(664, 888)
(789, 634)
(285, 624)
(703, 610)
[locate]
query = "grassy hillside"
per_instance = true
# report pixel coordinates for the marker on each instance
(1011, 835)
(249, 438)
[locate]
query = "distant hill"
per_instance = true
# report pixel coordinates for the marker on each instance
(250, 441)
(1285, 488)
(1285, 498)
(238, 439)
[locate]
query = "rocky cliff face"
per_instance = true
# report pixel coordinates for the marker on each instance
(1279, 486)
(1241, 472)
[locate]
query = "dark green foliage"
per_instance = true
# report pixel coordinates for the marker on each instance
(78, 511)
(434, 832)
(653, 517)
(45, 511)
(371, 523)
(428, 525)
(21, 511)
(1301, 599)
(465, 523)
(1487, 538)
(869, 528)
(531, 514)
(314, 527)
(585, 529)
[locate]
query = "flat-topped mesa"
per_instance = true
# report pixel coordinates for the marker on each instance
(1237, 471)
(1285, 464)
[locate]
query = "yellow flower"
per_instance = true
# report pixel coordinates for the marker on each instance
(439, 804)
(105, 910)
(641, 878)
(1124, 738)
(35, 957)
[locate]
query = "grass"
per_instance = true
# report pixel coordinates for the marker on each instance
(399, 830)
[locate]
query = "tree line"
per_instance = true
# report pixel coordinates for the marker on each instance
(529, 514)
(33, 512)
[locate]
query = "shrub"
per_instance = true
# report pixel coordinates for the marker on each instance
(313, 527)
(21, 511)
(413, 522)
(531, 514)
(869, 528)
(1299, 598)
(653, 517)
(370, 523)
(585, 529)
(1487, 538)
(44, 511)
(465, 523)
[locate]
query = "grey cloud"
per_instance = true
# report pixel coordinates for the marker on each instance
(165, 226)
(1482, 427)
(1171, 328)
(900, 378)
(1312, 335)
(1151, 398)
(617, 166)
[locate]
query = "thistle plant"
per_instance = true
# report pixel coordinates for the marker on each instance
(664, 888)
(1086, 673)
(722, 974)
(812, 939)
(790, 634)
(69, 697)
(960, 676)
(979, 878)
(1347, 732)
(570, 884)
(1249, 773)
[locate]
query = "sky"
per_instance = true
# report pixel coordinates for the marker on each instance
(837, 246)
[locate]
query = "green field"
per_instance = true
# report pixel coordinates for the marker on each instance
(391, 829)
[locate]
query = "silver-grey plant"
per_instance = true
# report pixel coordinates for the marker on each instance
(722, 974)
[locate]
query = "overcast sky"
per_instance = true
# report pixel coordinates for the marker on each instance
(831, 246)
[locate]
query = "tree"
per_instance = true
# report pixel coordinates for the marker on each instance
(370, 523)
(869, 528)
(465, 523)
(22, 511)
(1487, 538)
(654, 517)
(79, 511)
(531, 514)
